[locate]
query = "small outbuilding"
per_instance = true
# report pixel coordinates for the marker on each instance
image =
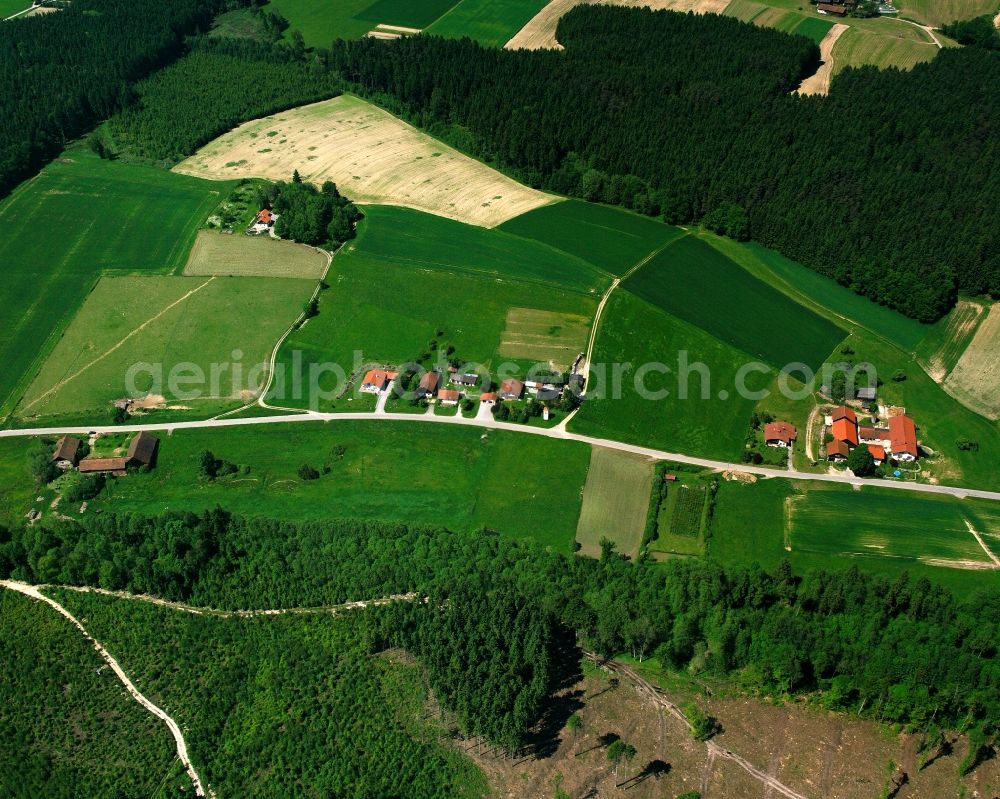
(67, 452)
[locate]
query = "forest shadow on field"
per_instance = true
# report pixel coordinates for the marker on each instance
(562, 700)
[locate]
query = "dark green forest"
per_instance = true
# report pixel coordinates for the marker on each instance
(283, 706)
(220, 84)
(890, 184)
(898, 650)
(63, 73)
(68, 729)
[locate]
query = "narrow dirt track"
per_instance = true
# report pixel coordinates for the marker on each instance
(771, 784)
(175, 730)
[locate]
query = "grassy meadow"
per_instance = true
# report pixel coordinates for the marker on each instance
(252, 256)
(696, 283)
(681, 518)
(408, 13)
(858, 48)
(610, 238)
(941, 12)
(463, 478)
(633, 332)
(974, 377)
(166, 322)
(615, 501)
(411, 278)
(321, 23)
(489, 22)
(98, 217)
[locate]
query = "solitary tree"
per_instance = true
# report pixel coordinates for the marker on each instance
(573, 724)
(615, 752)
(861, 462)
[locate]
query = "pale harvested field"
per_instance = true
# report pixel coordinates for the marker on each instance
(975, 380)
(540, 32)
(820, 82)
(962, 323)
(252, 256)
(615, 501)
(549, 336)
(372, 156)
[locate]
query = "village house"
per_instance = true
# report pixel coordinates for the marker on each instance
(779, 434)
(490, 398)
(903, 438)
(844, 426)
(264, 220)
(141, 452)
(511, 389)
(375, 381)
(837, 451)
(467, 379)
(448, 396)
(67, 452)
(428, 385)
(877, 451)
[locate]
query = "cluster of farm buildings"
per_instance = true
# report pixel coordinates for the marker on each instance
(141, 452)
(896, 439)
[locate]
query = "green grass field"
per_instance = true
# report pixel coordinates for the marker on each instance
(69, 727)
(294, 705)
(489, 22)
(615, 501)
(321, 23)
(857, 48)
(410, 275)
(772, 16)
(611, 238)
(698, 284)
(409, 13)
(634, 332)
(252, 256)
(821, 294)
(883, 524)
(8, 7)
(462, 478)
(166, 322)
(78, 219)
(680, 519)
(949, 337)
(940, 12)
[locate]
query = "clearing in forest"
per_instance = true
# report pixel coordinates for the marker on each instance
(975, 380)
(819, 83)
(615, 501)
(537, 335)
(858, 48)
(253, 256)
(372, 156)
(540, 31)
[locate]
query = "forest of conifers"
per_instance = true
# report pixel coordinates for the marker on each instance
(889, 185)
(489, 635)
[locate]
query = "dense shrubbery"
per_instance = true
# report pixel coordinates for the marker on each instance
(888, 185)
(902, 650)
(219, 85)
(977, 32)
(64, 72)
(310, 215)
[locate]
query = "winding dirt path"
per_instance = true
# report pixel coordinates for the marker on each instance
(810, 429)
(175, 730)
(771, 785)
(819, 83)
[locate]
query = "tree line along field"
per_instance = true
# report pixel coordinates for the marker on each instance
(372, 156)
(418, 473)
(270, 705)
(166, 322)
(69, 728)
(100, 218)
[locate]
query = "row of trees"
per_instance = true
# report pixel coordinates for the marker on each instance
(897, 650)
(62, 73)
(887, 185)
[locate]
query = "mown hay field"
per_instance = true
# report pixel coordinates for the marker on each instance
(941, 12)
(887, 48)
(372, 156)
(80, 218)
(975, 380)
(610, 238)
(547, 336)
(252, 256)
(948, 338)
(615, 501)
(885, 524)
(166, 322)
(698, 284)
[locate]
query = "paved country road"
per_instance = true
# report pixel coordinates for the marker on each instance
(559, 433)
